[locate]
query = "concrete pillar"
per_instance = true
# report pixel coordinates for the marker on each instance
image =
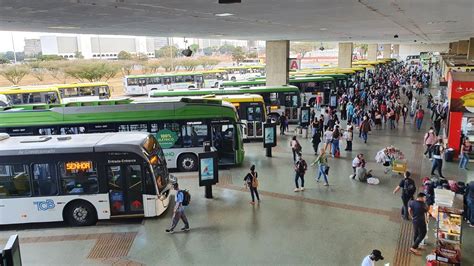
(372, 52)
(277, 57)
(344, 58)
(463, 46)
(387, 50)
(453, 47)
(396, 51)
(470, 50)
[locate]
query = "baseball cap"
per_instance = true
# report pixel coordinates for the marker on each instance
(377, 254)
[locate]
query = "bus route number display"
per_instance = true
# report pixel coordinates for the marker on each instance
(78, 166)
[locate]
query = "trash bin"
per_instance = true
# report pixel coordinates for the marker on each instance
(449, 155)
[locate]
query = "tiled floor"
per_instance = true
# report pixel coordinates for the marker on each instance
(335, 225)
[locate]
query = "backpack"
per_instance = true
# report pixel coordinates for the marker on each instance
(301, 166)
(298, 147)
(409, 187)
(186, 197)
(420, 114)
(436, 149)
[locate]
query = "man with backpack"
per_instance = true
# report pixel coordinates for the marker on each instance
(182, 198)
(419, 118)
(300, 170)
(408, 187)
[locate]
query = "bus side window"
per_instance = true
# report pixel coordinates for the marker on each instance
(14, 180)
(78, 177)
(44, 180)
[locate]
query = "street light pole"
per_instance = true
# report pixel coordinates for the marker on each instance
(13, 44)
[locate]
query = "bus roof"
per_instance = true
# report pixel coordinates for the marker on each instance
(242, 67)
(78, 113)
(171, 74)
(27, 89)
(85, 84)
(225, 91)
(262, 80)
(80, 143)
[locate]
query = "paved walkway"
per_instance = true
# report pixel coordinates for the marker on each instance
(335, 225)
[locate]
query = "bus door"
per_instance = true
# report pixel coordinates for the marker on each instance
(125, 189)
(199, 81)
(167, 83)
(142, 85)
(291, 106)
(223, 140)
(254, 120)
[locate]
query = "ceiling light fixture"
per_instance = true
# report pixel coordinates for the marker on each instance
(230, 1)
(223, 14)
(323, 29)
(63, 27)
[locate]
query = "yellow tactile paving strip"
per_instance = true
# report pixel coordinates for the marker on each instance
(112, 245)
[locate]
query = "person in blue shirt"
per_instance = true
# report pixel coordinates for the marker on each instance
(178, 212)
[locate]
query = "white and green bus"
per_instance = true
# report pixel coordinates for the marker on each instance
(181, 126)
(137, 85)
(82, 178)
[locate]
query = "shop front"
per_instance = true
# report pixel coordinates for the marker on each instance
(461, 109)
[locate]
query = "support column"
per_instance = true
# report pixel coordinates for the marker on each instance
(344, 58)
(470, 50)
(277, 56)
(463, 46)
(387, 50)
(453, 48)
(372, 52)
(396, 51)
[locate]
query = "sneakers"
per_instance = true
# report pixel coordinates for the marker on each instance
(415, 251)
(302, 189)
(326, 184)
(252, 202)
(296, 190)
(170, 231)
(185, 229)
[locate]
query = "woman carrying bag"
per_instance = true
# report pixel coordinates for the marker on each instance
(251, 182)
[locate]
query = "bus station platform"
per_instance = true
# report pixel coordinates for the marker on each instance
(313, 227)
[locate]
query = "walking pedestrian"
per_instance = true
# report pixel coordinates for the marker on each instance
(181, 200)
(470, 203)
(336, 135)
(438, 151)
(327, 138)
(404, 113)
(300, 170)
(251, 183)
(323, 168)
(418, 211)
(282, 124)
(349, 135)
(429, 141)
(466, 148)
(316, 139)
(365, 128)
(295, 147)
(419, 117)
(408, 187)
(376, 255)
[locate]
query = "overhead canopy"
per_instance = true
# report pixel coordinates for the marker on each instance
(322, 20)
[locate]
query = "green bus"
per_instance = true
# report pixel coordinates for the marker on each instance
(181, 126)
(278, 99)
(309, 87)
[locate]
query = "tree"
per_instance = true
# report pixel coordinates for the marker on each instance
(154, 65)
(238, 54)
(37, 71)
(194, 48)
(14, 74)
(208, 62)
(92, 71)
(20, 56)
(169, 64)
(124, 55)
(56, 69)
(208, 51)
(141, 57)
(126, 67)
(252, 55)
(189, 64)
(167, 52)
(362, 49)
(78, 55)
(4, 60)
(50, 58)
(301, 48)
(226, 49)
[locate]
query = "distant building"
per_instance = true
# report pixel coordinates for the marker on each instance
(32, 47)
(96, 47)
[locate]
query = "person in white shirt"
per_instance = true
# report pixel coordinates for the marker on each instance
(376, 255)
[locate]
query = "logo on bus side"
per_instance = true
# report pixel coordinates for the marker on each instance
(44, 205)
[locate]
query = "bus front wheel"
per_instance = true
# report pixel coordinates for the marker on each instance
(80, 213)
(187, 162)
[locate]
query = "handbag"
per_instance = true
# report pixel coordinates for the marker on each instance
(254, 181)
(326, 170)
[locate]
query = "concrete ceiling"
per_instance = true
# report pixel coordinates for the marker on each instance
(428, 21)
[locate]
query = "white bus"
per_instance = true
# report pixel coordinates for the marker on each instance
(142, 84)
(81, 178)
